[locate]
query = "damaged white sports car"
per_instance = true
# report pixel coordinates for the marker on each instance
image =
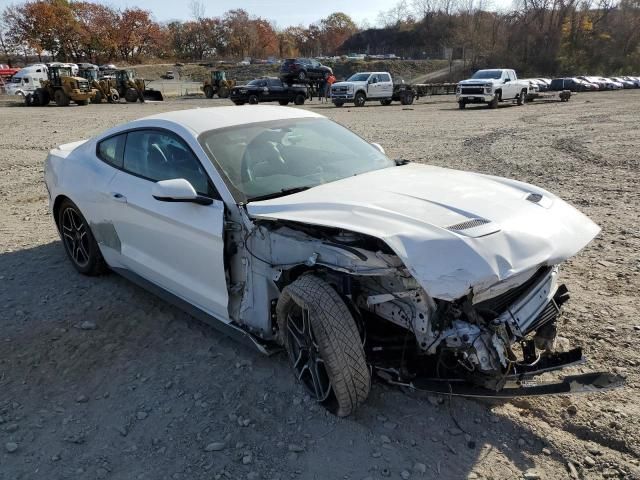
(286, 229)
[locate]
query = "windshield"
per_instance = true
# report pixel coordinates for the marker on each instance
(16, 79)
(269, 158)
(495, 74)
(359, 77)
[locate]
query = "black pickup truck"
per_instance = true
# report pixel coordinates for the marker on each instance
(268, 90)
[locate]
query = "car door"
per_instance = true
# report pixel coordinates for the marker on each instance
(176, 245)
(373, 90)
(276, 89)
(386, 85)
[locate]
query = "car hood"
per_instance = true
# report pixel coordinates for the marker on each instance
(455, 231)
(479, 81)
(346, 84)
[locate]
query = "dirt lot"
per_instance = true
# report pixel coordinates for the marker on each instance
(99, 379)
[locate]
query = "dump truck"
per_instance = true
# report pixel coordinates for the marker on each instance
(133, 88)
(217, 84)
(61, 87)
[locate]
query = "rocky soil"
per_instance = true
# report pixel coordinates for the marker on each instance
(101, 380)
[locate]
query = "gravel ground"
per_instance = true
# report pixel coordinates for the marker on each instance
(99, 379)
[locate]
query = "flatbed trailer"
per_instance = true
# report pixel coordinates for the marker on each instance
(424, 89)
(562, 96)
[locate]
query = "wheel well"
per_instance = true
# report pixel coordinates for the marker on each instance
(56, 207)
(362, 92)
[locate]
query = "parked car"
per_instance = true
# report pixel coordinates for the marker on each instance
(169, 75)
(269, 90)
(491, 87)
(570, 83)
(634, 80)
(600, 82)
(625, 83)
(285, 229)
(362, 87)
(303, 69)
(611, 84)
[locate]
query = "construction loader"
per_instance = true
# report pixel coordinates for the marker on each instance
(217, 84)
(133, 89)
(61, 87)
(105, 87)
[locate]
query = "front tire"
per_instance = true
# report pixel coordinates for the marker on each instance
(323, 344)
(253, 99)
(208, 91)
(462, 105)
(131, 95)
(97, 98)
(79, 243)
(360, 99)
(494, 103)
(338, 104)
(61, 98)
(522, 98)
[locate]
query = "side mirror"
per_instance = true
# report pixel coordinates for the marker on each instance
(378, 147)
(178, 190)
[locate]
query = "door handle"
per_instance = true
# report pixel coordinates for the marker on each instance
(118, 197)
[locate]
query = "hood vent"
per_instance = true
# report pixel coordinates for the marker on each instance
(472, 223)
(534, 197)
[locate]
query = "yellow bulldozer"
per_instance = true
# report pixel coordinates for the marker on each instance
(217, 84)
(61, 87)
(133, 88)
(105, 87)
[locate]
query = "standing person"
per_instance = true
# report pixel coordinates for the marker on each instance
(321, 86)
(330, 81)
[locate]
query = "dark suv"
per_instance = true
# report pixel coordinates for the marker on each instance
(303, 69)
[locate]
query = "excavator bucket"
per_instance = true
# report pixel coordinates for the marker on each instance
(154, 95)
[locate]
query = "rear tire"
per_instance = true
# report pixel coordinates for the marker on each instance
(323, 344)
(79, 243)
(299, 100)
(385, 102)
(208, 91)
(284, 103)
(407, 98)
(97, 98)
(223, 92)
(82, 103)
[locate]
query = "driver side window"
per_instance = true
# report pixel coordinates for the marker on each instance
(156, 155)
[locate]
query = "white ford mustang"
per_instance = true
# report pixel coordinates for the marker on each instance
(284, 228)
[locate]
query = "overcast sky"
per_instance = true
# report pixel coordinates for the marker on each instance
(282, 12)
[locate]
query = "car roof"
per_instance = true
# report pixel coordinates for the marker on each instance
(201, 120)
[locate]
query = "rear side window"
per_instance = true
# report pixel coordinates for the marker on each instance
(110, 150)
(385, 77)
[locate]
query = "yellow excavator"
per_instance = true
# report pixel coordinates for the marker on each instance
(217, 84)
(105, 87)
(133, 88)
(61, 87)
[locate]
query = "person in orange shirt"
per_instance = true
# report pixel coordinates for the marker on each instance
(330, 81)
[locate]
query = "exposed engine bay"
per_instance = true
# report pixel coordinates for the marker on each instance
(485, 338)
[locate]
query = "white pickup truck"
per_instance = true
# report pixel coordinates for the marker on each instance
(363, 86)
(492, 86)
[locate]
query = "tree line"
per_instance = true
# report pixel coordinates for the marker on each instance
(84, 31)
(536, 37)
